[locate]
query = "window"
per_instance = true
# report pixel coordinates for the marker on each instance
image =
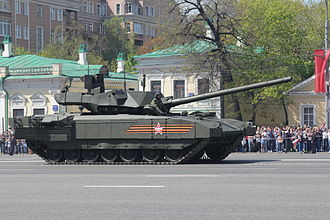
(39, 11)
(91, 7)
(308, 115)
(100, 29)
(25, 7)
(18, 31)
(40, 38)
(4, 27)
(128, 27)
(156, 86)
(139, 11)
(52, 13)
(59, 36)
(39, 111)
(118, 9)
(85, 7)
(52, 36)
(147, 10)
(104, 9)
(179, 89)
(26, 32)
(138, 28)
(152, 13)
(151, 31)
(98, 9)
(18, 7)
(5, 5)
(90, 27)
(18, 112)
(128, 8)
(85, 26)
(59, 14)
(203, 86)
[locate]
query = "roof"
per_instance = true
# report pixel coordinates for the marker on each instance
(69, 67)
(121, 76)
(198, 46)
(299, 85)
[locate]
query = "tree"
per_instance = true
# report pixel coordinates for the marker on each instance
(279, 37)
(118, 40)
(67, 47)
(218, 18)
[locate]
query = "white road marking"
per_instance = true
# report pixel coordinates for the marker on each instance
(309, 160)
(20, 161)
(124, 186)
(182, 176)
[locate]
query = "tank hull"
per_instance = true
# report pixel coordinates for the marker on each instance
(129, 138)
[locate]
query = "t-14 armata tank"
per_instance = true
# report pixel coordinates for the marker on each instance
(122, 127)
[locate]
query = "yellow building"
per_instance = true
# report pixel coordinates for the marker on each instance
(306, 107)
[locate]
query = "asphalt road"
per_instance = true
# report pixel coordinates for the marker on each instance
(244, 186)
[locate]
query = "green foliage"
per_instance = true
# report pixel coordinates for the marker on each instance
(288, 31)
(118, 40)
(21, 51)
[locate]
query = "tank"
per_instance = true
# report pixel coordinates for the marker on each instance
(120, 127)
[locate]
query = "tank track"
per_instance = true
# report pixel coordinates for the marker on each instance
(184, 159)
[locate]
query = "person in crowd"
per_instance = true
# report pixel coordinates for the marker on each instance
(257, 141)
(324, 140)
(264, 140)
(243, 145)
(250, 143)
(317, 139)
(279, 142)
(24, 146)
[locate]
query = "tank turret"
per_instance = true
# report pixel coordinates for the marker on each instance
(99, 101)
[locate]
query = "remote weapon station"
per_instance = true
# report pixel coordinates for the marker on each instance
(121, 128)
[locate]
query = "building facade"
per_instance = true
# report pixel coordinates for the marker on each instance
(305, 106)
(165, 71)
(35, 23)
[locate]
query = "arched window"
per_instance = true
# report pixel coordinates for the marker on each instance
(39, 104)
(18, 105)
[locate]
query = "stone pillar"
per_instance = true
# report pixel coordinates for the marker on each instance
(57, 69)
(83, 55)
(4, 71)
(8, 47)
(120, 63)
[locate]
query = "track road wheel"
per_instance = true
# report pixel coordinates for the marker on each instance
(128, 155)
(72, 155)
(90, 155)
(173, 155)
(214, 154)
(109, 155)
(55, 155)
(150, 155)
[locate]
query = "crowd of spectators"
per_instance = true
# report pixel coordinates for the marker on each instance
(10, 145)
(288, 139)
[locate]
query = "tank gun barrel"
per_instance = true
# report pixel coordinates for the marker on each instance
(176, 102)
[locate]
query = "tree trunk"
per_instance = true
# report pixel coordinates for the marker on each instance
(285, 111)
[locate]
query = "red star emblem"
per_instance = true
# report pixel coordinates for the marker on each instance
(158, 129)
